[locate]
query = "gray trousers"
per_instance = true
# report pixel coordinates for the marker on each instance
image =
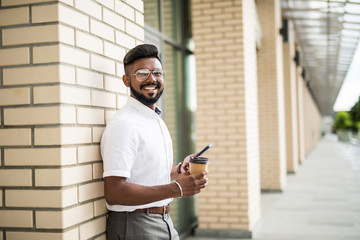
(139, 226)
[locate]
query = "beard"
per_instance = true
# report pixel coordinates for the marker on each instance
(148, 101)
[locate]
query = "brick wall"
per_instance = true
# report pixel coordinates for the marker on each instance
(271, 98)
(227, 113)
(300, 110)
(291, 124)
(60, 68)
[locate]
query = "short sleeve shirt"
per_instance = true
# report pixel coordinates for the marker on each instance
(136, 144)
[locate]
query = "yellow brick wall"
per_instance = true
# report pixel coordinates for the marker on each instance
(60, 68)
(291, 124)
(271, 98)
(227, 112)
(300, 110)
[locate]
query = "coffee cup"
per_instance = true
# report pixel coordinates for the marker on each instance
(198, 164)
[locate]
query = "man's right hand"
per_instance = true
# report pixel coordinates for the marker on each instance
(192, 184)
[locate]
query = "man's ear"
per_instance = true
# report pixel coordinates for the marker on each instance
(126, 80)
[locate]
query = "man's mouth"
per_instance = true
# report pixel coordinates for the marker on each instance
(150, 87)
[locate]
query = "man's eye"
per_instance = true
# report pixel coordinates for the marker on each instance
(158, 74)
(142, 73)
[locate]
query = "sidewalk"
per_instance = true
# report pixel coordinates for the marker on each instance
(320, 202)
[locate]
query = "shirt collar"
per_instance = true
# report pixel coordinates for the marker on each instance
(143, 108)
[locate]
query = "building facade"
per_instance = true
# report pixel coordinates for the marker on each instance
(231, 80)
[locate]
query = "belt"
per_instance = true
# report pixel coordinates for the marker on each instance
(156, 210)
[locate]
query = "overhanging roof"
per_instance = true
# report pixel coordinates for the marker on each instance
(327, 32)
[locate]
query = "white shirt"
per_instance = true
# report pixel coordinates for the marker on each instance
(136, 144)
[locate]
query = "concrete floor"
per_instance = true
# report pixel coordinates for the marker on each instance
(320, 202)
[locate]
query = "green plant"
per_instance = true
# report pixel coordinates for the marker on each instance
(342, 121)
(355, 116)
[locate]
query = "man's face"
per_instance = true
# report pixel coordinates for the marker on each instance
(149, 91)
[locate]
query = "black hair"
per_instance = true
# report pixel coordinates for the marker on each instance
(140, 51)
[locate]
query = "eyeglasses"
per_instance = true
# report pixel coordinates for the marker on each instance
(144, 73)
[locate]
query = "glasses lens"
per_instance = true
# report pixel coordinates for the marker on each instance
(158, 74)
(142, 74)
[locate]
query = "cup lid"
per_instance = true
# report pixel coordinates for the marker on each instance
(199, 160)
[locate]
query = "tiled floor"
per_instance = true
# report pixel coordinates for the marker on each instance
(320, 202)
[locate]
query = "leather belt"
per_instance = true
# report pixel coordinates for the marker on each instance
(156, 210)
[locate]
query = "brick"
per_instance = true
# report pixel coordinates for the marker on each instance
(74, 56)
(88, 153)
(107, 3)
(68, 2)
(119, 70)
(100, 207)
(47, 94)
(98, 171)
(15, 177)
(16, 218)
(139, 18)
(92, 228)
(67, 74)
(72, 234)
(64, 219)
(114, 19)
(125, 10)
(6, 3)
(101, 237)
(1, 198)
(103, 99)
(90, 116)
(40, 156)
(102, 64)
(61, 94)
(89, 7)
(121, 101)
(89, 42)
(62, 135)
(14, 96)
(45, 13)
(91, 191)
(102, 30)
(39, 115)
(66, 35)
(14, 16)
(46, 54)
(31, 75)
(15, 137)
(89, 78)
(137, 4)
(135, 30)
(114, 51)
(63, 176)
(124, 40)
(28, 35)
(108, 115)
(74, 95)
(14, 56)
(115, 84)
(97, 133)
(41, 198)
(33, 235)
(73, 18)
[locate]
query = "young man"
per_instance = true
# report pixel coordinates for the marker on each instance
(138, 158)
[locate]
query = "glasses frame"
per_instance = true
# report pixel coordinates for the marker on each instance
(150, 72)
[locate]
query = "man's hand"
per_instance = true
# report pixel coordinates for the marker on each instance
(192, 184)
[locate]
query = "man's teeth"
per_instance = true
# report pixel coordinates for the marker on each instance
(150, 88)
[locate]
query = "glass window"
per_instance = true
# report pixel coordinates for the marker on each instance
(168, 26)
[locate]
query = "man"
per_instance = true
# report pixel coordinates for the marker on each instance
(137, 152)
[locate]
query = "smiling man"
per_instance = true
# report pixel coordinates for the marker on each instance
(138, 158)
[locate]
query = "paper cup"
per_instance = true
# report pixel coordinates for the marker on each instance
(198, 164)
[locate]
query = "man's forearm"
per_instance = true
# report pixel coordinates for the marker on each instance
(120, 192)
